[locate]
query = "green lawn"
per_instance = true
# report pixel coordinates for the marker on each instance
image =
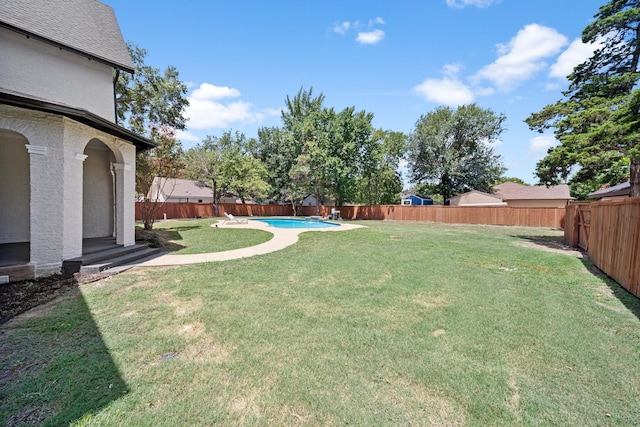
(393, 324)
(197, 236)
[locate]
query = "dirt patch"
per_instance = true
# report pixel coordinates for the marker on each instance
(18, 297)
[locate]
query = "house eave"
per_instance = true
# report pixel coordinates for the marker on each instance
(79, 115)
(123, 67)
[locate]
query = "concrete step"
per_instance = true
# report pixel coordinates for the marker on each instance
(128, 258)
(106, 257)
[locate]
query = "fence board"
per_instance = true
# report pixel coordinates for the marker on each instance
(488, 215)
(613, 238)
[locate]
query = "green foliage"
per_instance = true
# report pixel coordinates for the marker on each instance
(504, 179)
(450, 150)
(226, 163)
(596, 121)
(152, 104)
(165, 160)
(149, 99)
(327, 153)
(380, 182)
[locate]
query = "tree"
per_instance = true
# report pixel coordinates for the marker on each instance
(243, 174)
(450, 150)
(204, 163)
(596, 122)
(380, 182)
(152, 104)
(163, 161)
(149, 99)
(504, 179)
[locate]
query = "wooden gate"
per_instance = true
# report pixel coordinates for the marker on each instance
(584, 225)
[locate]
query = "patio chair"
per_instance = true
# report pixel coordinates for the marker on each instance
(233, 219)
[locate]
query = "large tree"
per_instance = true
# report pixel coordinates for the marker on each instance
(380, 182)
(163, 161)
(451, 150)
(152, 104)
(227, 164)
(596, 122)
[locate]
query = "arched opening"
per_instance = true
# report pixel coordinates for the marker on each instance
(15, 199)
(98, 188)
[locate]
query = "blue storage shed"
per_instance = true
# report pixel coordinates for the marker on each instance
(416, 200)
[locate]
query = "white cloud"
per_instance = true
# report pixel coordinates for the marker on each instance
(208, 110)
(447, 91)
(452, 70)
(523, 56)
(576, 54)
(542, 143)
(370, 37)
(342, 28)
(364, 37)
(464, 3)
(208, 91)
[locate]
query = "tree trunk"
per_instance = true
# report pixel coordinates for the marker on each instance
(216, 211)
(634, 178)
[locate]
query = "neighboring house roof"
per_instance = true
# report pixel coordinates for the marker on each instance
(83, 116)
(514, 191)
(419, 196)
(452, 200)
(177, 188)
(86, 27)
(615, 191)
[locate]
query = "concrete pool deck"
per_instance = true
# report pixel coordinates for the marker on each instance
(282, 238)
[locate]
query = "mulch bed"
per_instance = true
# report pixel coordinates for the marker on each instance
(18, 297)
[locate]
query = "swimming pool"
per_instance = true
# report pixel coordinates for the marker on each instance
(297, 223)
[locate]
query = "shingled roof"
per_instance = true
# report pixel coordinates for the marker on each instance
(515, 191)
(182, 188)
(86, 27)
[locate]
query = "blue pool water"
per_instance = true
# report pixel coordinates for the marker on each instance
(297, 223)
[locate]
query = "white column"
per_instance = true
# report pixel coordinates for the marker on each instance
(125, 204)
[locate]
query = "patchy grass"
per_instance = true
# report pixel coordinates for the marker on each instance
(395, 324)
(196, 236)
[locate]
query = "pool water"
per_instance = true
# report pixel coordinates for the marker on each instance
(297, 223)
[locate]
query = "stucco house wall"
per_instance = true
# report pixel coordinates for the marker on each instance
(40, 70)
(67, 170)
(14, 169)
(54, 191)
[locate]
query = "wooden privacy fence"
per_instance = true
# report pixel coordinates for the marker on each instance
(487, 215)
(612, 237)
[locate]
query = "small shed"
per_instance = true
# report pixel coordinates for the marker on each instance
(416, 200)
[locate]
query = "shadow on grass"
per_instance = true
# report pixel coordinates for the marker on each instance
(630, 301)
(54, 365)
(550, 242)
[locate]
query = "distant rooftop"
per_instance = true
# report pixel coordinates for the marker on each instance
(183, 188)
(515, 191)
(84, 26)
(614, 191)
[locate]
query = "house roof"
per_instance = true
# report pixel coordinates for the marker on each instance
(515, 191)
(86, 27)
(83, 116)
(419, 196)
(460, 196)
(182, 188)
(615, 191)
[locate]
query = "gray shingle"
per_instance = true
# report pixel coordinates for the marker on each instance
(87, 26)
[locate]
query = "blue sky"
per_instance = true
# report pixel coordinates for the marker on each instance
(398, 60)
